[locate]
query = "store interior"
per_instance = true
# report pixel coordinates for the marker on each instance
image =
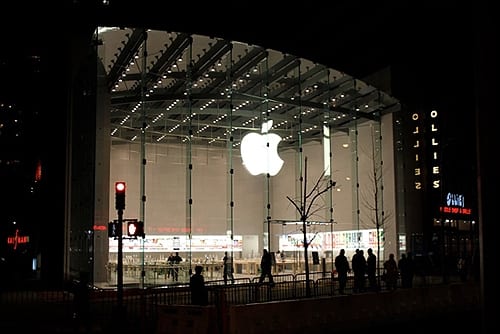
(179, 107)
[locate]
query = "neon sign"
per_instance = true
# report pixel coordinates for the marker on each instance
(455, 200)
(455, 204)
(17, 239)
(455, 210)
(426, 151)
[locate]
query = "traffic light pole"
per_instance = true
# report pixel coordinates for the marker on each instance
(119, 267)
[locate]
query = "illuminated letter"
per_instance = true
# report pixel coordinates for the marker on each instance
(416, 130)
(434, 142)
(417, 144)
(435, 184)
(417, 171)
(435, 170)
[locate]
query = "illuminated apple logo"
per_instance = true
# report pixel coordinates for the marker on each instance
(259, 151)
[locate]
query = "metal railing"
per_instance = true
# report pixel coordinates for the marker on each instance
(141, 303)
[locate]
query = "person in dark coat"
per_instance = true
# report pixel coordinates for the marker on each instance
(359, 269)
(342, 268)
(199, 294)
(404, 270)
(371, 270)
(391, 273)
(176, 260)
(266, 264)
(228, 268)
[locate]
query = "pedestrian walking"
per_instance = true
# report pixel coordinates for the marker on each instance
(266, 264)
(227, 267)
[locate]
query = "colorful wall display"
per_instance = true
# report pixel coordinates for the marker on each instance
(178, 243)
(327, 241)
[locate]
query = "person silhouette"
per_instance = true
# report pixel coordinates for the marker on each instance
(176, 260)
(266, 264)
(359, 269)
(199, 293)
(228, 269)
(411, 268)
(342, 268)
(391, 273)
(403, 270)
(371, 270)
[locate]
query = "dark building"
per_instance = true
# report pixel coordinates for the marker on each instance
(20, 165)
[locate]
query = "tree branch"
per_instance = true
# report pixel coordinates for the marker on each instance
(295, 205)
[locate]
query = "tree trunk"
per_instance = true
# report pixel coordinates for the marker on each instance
(306, 259)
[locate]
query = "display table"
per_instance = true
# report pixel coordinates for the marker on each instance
(158, 271)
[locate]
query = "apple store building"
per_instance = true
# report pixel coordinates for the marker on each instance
(223, 147)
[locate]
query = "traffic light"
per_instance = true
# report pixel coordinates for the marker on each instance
(120, 188)
(135, 229)
(113, 229)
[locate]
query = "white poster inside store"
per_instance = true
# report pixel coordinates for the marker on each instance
(178, 243)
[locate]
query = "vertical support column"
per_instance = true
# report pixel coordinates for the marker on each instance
(119, 267)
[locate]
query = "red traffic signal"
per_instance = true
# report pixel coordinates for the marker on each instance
(135, 229)
(120, 188)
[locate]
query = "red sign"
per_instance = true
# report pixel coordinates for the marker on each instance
(455, 210)
(17, 239)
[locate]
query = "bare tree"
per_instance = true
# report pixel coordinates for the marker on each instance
(372, 199)
(306, 207)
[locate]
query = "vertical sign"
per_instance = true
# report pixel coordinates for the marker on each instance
(435, 152)
(426, 151)
(417, 149)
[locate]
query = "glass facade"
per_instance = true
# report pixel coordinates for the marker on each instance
(171, 114)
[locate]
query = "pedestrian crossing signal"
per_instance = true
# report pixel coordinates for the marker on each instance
(135, 229)
(113, 230)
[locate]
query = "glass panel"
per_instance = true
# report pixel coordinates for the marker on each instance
(180, 106)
